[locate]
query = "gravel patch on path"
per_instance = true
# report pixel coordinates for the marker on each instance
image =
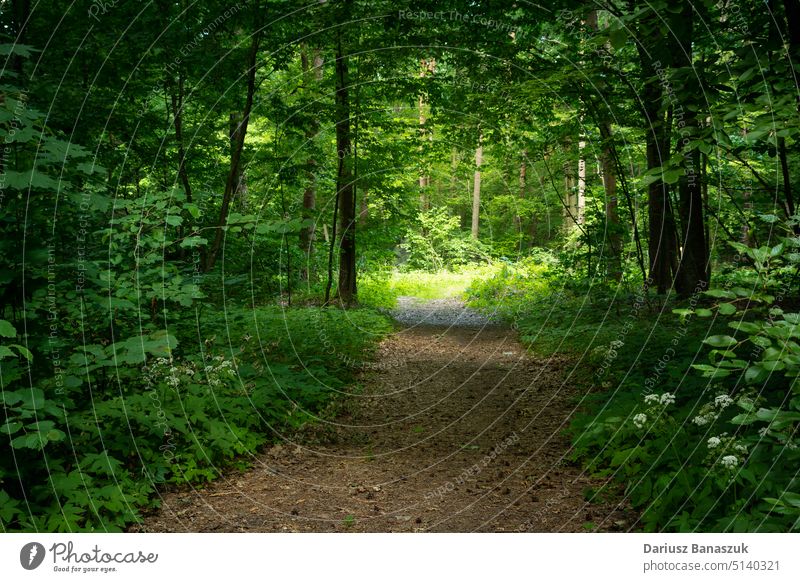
(451, 312)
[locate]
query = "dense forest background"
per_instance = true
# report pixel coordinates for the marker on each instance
(206, 208)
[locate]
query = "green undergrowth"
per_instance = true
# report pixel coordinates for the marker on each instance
(672, 408)
(90, 445)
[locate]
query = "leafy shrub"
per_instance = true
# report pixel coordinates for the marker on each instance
(720, 454)
(515, 287)
(437, 242)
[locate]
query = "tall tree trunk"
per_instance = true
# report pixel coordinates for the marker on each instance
(662, 244)
(787, 180)
(176, 97)
(692, 273)
(344, 182)
(239, 196)
(608, 172)
(523, 171)
(21, 13)
(476, 191)
(236, 155)
(612, 217)
(312, 77)
(428, 66)
(570, 197)
(580, 200)
(423, 178)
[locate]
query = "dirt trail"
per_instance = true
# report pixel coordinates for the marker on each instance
(457, 431)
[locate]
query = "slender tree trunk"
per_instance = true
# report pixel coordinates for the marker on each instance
(344, 182)
(570, 198)
(312, 77)
(608, 172)
(580, 200)
(428, 66)
(476, 191)
(612, 217)
(21, 12)
(423, 178)
(787, 180)
(523, 171)
(176, 95)
(236, 155)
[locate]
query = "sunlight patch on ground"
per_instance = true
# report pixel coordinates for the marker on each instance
(383, 289)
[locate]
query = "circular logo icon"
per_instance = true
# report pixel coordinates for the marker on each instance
(31, 555)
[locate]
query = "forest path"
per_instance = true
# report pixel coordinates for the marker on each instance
(457, 429)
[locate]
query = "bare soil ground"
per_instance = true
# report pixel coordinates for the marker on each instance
(457, 429)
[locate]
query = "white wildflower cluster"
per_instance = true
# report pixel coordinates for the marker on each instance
(640, 420)
(169, 371)
(655, 405)
(726, 451)
(723, 401)
(707, 415)
(217, 370)
(711, 411)
(704, 419)
(664, 399)
(173, 373)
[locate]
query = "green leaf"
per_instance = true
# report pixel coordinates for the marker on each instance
(28, 441)
(720, 341)
(193, 241)
(727, 308)
(672, 176)
(10, 427)
(23, 50)
(617, 37)
(745, 327)
(23, 351)
(8, 507)
(761, 341)
(6, 329)
(754, 374)
(772, 365)
(792, 318)
(192, 209)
